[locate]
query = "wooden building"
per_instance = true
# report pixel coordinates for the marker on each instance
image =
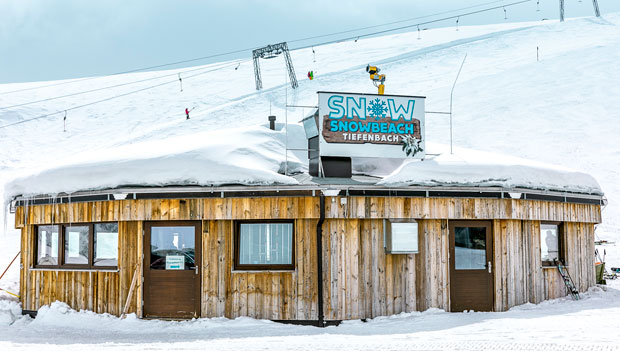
(308, 248)
(310, 253)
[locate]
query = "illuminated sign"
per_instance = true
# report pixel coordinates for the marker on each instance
(370, 125)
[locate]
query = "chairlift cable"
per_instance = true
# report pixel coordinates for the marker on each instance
(412, 25)
(113, 86)
(244, 50)
(107, 99)
(395, 22)
(237, 51)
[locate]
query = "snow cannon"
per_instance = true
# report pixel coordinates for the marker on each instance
(377, 79)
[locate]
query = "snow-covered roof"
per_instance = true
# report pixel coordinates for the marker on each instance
(484, 169)
(246, 156)
(255, 156)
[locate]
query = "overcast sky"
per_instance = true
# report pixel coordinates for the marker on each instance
(56, 39)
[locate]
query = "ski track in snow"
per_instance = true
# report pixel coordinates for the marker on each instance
(561, 110)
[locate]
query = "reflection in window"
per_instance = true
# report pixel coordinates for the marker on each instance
(47, 244)
(172, 248)
(403, 237)
(549, 243)
(265, 244)
(76, 244)
(470, 248)
(106, 244)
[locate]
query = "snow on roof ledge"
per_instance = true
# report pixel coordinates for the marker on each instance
(484, 169)
(246, 156)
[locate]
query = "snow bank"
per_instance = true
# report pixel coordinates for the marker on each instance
(549, 325)
(247, 156)
(9, 311)
(484, 169)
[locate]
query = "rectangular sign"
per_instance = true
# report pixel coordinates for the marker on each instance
(371, 125)
(175, 262)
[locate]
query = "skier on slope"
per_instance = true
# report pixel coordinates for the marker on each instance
(186, 113)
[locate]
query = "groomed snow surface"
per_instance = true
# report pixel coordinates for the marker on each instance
(562, 324)
(561, 110)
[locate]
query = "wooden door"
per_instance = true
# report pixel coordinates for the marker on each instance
(172, 256)
(471, 266)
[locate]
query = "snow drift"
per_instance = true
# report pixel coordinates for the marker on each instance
(248, 156)
(486, 169)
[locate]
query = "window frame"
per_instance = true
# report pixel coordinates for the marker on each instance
(61, 248)
(561, 256)
(261, 267)
(387, 235)
(92, 245)
(36, 247)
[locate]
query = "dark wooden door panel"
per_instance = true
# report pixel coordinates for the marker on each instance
(471, 280)
(172, 290)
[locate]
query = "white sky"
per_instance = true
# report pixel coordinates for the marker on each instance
(46, 40)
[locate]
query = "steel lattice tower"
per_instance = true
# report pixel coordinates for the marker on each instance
(596, 10)
(271, 51)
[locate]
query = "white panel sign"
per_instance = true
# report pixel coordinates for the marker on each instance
(371, 125)
(175, 262)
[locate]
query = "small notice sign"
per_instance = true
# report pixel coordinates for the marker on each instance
(175, 262)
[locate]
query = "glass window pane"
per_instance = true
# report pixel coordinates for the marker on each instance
(470, 248)
(404, 237)
(549, 248)
(173, 248)
(47, 245)
(76, 244)
(266, 243)
(106, 244)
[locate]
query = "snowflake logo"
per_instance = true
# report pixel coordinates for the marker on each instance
(377, 109)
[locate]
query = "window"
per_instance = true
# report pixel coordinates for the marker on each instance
(76, 244)
(106, 245)
(264, 246)
(401, 236)
(173, 248)
(80, 246)
(47, 245)
(550, 243)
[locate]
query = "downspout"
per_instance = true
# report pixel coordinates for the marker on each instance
(319, 260)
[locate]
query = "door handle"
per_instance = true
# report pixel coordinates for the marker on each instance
(196, 269)
(489, 265)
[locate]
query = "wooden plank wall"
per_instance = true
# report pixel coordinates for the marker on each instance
(307, 207)
(360, 280)
(98, 291)
(259, 294)
(519, 275)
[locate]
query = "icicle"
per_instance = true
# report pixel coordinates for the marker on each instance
(419, 32)
(313, 55)
(505, 15)
(64, 122)
(538, 6)
(457, 23)
(181, 82)
(7, 213)
(26, 209)
(70, 209)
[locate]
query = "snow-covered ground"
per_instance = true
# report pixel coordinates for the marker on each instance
(562, 324)
(560, 110)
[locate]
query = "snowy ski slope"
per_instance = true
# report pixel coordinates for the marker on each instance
(562, 109)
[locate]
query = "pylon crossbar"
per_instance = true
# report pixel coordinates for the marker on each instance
(272, 50)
